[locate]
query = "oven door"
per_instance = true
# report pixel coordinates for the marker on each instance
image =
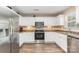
(39, 36)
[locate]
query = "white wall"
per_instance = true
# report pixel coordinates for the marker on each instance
(31, 20)
(3, 25)
(4, 22)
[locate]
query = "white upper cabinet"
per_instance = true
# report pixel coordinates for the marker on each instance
(28, 21)
(77, 14)
(61, 19)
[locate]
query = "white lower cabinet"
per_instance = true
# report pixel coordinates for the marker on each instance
(58, 38)
(61, 40)
(26, 37)
(49, 37)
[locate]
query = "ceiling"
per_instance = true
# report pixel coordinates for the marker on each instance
(6, 12)
(39, 10)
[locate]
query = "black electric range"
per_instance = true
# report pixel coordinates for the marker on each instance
(39, 35)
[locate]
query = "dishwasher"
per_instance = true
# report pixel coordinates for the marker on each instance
(73, 44)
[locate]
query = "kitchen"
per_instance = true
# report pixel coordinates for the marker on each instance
(40, 29)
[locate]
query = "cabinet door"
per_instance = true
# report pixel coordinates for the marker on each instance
(26, 37)
(49, 36)
(61, 19)
(61, 40)
(77, 14)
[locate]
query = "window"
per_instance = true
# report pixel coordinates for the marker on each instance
(71, 20)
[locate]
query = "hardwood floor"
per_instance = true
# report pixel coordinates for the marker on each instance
(40, 48)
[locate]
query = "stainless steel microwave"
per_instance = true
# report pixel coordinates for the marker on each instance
(39, 24)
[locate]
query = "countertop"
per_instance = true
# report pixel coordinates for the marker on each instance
(73, 34)
(65, 32)
(47, 28)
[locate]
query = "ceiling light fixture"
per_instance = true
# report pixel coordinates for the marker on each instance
(36, 9)
(34, 15)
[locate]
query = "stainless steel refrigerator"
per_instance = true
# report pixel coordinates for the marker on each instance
(9, 37)
(14, 34)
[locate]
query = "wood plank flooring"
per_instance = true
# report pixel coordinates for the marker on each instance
(40, 48)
